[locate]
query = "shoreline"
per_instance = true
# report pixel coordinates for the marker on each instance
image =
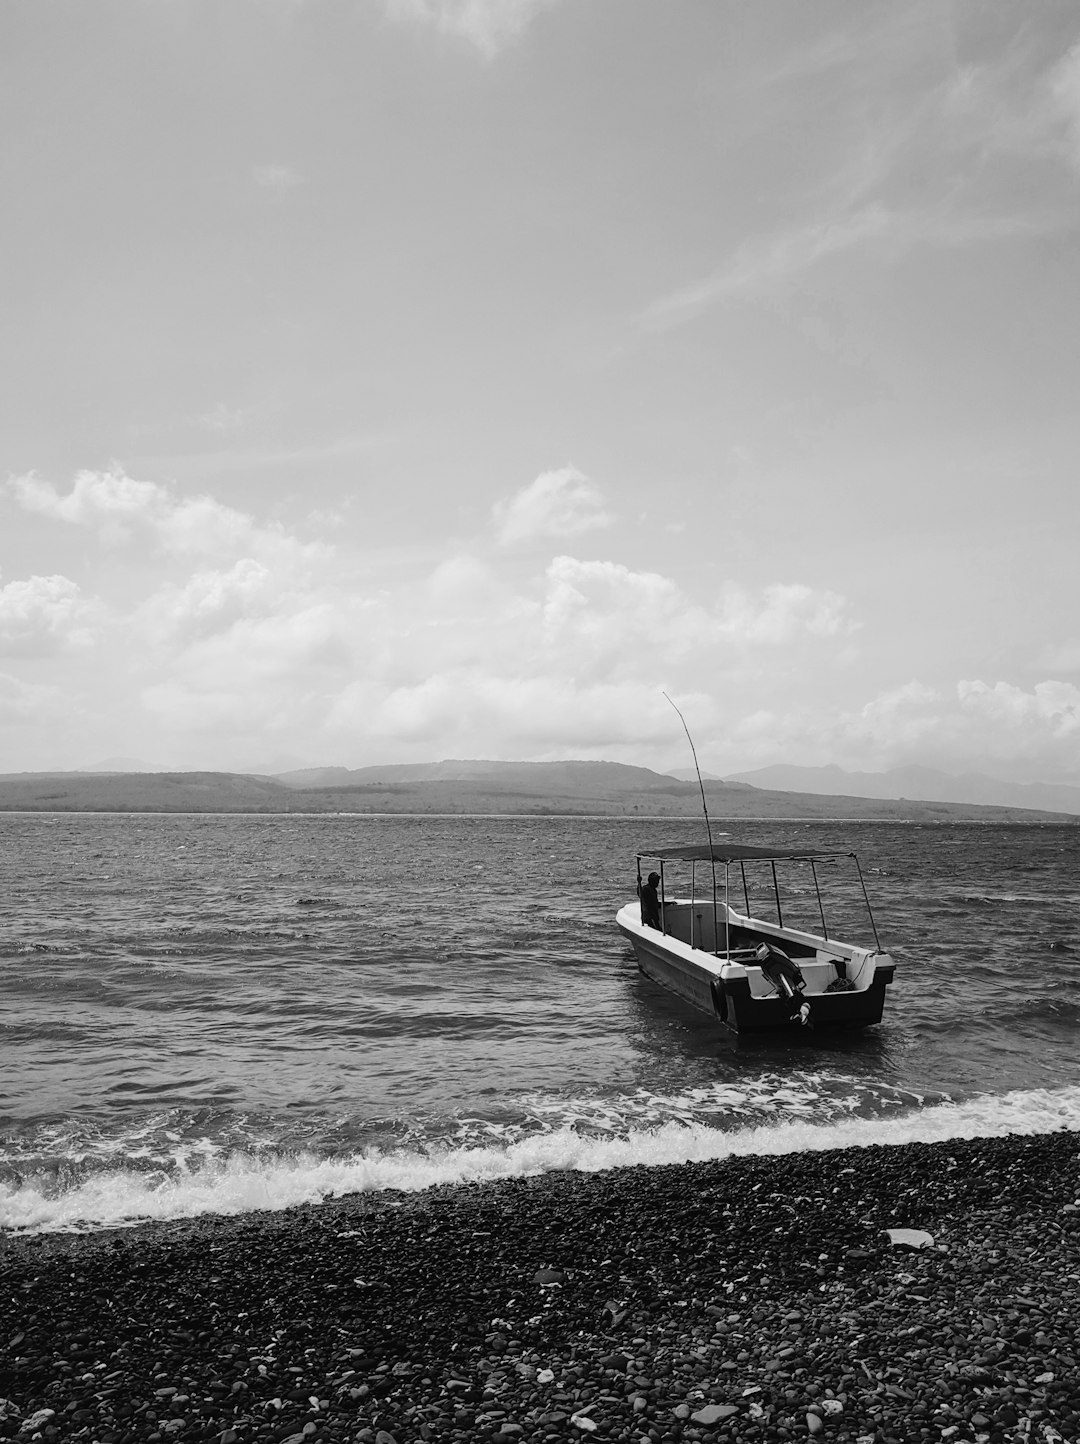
(754, 1298)
(841, 819)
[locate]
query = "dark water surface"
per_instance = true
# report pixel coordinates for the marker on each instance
(219, 1013)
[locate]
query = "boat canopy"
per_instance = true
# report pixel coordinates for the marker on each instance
(736, 852)
(729, 852)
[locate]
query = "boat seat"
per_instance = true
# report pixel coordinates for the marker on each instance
(748, 938)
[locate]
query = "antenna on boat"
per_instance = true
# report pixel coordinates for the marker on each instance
(708, 834)
(697, 769)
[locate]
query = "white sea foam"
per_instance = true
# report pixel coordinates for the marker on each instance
(241, 1182)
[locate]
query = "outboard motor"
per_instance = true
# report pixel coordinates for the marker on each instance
(786, 977)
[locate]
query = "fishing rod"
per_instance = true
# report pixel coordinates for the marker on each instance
(708, 834)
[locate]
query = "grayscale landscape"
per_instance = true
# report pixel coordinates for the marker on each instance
(447, 448)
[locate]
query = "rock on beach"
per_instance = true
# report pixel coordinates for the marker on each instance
(752, 1299)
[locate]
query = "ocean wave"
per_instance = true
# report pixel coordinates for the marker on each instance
(241, 1181)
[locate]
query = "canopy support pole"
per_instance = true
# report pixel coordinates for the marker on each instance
(776, 890)
(820, 904)
(727, 914)
(866, 899)
(693, 895)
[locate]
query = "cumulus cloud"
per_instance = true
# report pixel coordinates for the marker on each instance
(557, 504)
(1051, 711)
(96, 498)
(286, 644)
(41, 615)
(570, 658)
(263, 677)
(1000, 729)
(489, 25)
(578, 667)
(478, 712)
(605, 619)
(785, 612)
(463, 584)
(251, 640)
(121, 509)
(604, 612)
(597, 622)
(581, 595)
(212, 601)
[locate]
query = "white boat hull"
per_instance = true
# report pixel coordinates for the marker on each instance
(731, 988)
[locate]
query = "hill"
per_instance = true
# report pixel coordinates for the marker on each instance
(543, 778)
(924, 783)
(141, 792)
(607, 789)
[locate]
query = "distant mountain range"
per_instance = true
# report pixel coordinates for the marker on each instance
(607, 789)
(570, 778)
(922, 784)
(917, 784)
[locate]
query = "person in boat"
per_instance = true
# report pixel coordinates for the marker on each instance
(650, 900)
(786, 977)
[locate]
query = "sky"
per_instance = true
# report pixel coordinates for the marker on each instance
(398, 380)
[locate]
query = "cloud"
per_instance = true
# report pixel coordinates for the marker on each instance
(489, 25)
(557, 504)
(462, 586)
(998, 728)
(586, 597)
(512, 715)
(121, 509)
(1064, 91)
(223, 419)
(1060, 657)
(252, 641)
(937, 161)
(1022, 105)
(597, 622)
(41, 616)
(277, 179)
(263, 677)
(785, 613)
(102, 497)
(1049, 713)
(24, 704)
(605, 615)
(212, 601)
(765, 265)
(578, 667)
(572, 656)
(762, 263)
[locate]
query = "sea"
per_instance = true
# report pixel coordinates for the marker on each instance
(214, 1014)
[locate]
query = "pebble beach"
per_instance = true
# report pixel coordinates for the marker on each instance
(885, 1293)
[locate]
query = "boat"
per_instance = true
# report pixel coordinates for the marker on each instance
(756, 974)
